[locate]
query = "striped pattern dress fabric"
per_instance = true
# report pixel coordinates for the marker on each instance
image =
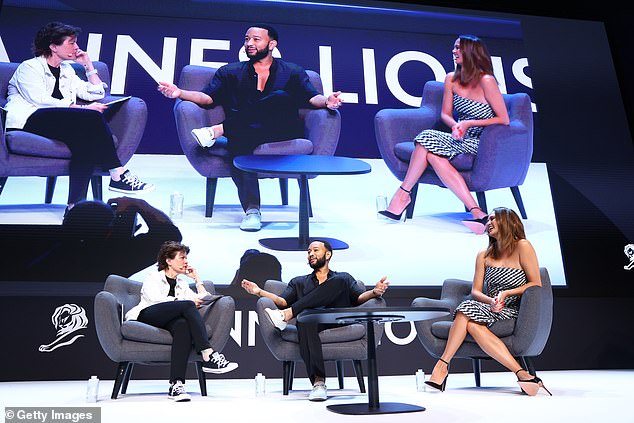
(442, 144)
(496, 279)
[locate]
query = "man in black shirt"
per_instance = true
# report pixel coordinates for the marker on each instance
(321, 288)
(261, 99)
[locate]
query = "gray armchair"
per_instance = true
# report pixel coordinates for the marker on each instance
(525, 337)
(133, 342)
(322, 128)
(347, 342)
(26, 154)
(504, 153)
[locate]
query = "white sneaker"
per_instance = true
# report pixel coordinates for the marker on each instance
(319, 392)
(204, 136)
(277, 318)
(177, 392)
(252, 221)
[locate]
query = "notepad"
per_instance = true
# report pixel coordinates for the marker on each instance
(208, 298)
(118, 100)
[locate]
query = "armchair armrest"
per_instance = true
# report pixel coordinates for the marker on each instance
(454, 291)
(393, 126)
(219, 320)
(530, 334)
(270, 334)
(127, 122)
(108, 324)
(322, 128)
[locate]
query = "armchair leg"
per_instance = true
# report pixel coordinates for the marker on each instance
(476, 370)
(3, 182)
(95, 184)
(358, 369)
(126, 377)
(284, 191)
(119, 378)
(518, 200)
(482, 201)
(210, 196)
(202, 378)
(287, 370)
(410, 209)
(340, 373)
(291, 376)
(50, 189)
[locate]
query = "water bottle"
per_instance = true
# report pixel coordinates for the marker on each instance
(92, 389)
(420, 380)
(381, 203)
(176, 205)
(260, 381)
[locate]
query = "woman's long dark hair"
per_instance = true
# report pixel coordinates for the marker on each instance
(476, 61)
(510, 230)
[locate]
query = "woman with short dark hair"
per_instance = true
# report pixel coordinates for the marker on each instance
(42, 99)
(168, 302)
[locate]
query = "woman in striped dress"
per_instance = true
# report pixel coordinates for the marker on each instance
(503, 272)
(472, 92)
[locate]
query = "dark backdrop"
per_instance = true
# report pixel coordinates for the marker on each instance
(578, 76)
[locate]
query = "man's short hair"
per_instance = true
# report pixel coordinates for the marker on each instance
(271, 31)
(327, 245)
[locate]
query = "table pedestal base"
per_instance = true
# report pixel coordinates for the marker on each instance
(383, 408)
(294, 244)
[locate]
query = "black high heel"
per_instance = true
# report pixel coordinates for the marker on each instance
(395, 216)
(439, 386)
(477, 226)
(531, 386)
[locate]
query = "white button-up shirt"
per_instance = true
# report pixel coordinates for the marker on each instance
(32, 84)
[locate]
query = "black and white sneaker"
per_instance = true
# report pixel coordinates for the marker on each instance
(218, 364)
(129, 184)
(177, 392)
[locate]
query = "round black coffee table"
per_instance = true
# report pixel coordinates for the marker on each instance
(371, 315)
(303, 166)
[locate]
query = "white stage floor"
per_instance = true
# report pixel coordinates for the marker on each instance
(578, 396)
(431, 247)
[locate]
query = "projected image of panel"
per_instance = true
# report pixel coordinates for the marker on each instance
(376, 69)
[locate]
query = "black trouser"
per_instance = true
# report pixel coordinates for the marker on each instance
(183, 321)
(88, 137)
(330, 294)
(272, 118)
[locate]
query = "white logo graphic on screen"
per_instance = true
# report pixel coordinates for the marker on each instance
(67, 319)
(629, 253)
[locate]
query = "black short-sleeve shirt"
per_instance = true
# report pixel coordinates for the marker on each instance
(234, 86)
(300, 286)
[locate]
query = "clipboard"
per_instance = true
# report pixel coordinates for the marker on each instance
(118, 100)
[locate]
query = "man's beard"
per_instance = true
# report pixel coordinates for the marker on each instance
(319, 263)
(259, 54)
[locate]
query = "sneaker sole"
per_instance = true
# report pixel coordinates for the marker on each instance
(180, 398)
(227, 369)
(125, 191)
(200, 142)
(320, 399)
(283, 324)
(250, 229)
